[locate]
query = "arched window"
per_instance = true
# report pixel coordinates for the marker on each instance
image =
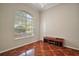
(23, 24)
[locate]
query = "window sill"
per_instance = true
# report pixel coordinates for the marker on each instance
(23, 37)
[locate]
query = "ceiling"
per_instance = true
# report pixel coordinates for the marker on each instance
(43, 6)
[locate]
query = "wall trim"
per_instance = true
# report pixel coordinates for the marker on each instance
(30, 43)
(72, 47)
(18, 46)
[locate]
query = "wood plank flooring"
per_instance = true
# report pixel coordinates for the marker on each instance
(40, 48)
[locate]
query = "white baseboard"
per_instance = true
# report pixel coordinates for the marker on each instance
(18, 46)
(30, 43)
(72, 47)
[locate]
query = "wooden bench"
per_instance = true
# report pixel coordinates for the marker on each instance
(54, 41)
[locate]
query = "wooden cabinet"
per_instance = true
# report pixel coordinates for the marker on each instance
(54, 41)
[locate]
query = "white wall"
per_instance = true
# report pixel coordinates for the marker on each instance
(62, 21)
(0, 26)
(7, 16)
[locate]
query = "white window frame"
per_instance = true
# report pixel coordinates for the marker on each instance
(26, 36)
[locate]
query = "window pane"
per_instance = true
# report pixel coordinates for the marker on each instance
(23, 24)
(29, 16)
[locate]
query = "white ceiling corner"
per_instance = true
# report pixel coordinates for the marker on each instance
(43, 6)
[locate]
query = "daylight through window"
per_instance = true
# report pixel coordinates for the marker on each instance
(23, 24)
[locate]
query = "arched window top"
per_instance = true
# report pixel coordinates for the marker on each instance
(24, 14)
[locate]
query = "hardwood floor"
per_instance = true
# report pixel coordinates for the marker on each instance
(40, 48)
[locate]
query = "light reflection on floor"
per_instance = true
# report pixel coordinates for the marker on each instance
(28, 52)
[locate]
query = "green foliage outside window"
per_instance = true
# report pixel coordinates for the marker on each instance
(23, 23)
